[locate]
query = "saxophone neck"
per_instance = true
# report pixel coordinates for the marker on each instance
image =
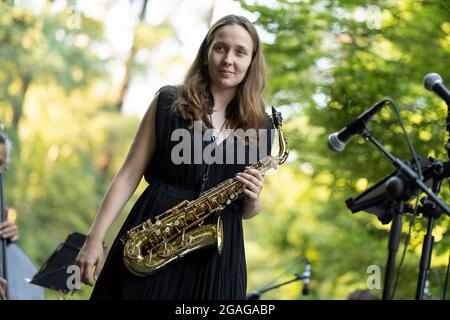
(283, 152)
(265, 164)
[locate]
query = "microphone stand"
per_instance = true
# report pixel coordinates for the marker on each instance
(432, 200)
(431, 212)
(255, 295)
(410, 173)
(393, 244)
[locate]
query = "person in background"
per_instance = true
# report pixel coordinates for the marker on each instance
(362, 294)
(8, 229)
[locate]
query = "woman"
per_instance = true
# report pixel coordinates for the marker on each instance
(223, 90)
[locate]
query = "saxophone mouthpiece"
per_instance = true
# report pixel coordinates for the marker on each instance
(276, 118)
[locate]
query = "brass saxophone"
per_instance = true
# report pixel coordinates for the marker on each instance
(180, 230)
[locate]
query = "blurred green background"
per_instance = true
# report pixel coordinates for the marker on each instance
(73, 86)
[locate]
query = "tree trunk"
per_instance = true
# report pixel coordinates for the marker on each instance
(17, 103)
(209, 17)
(106, 165)
(127, 77)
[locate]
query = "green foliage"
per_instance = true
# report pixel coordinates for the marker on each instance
(70, 142)
(43, 49)
(147, 38)
(61, 177)
(327, 64)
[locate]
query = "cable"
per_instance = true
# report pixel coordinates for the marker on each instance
(419, 172)
(405, 247)
(293, 264)
(408, 140)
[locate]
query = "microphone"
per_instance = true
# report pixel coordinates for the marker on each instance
(338, 140)
(255, 295)
(433, 82)
(306, 278)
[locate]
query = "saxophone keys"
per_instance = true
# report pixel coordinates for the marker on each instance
(151, 238)
(166, 251)
(147, 225)
(148, 259)
(132, 251)
(183, 240)
(187, 242)
(221, 199)
(190, 216)
(167, 230)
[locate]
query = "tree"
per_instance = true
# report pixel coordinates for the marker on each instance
(28, 38)
(328, 61)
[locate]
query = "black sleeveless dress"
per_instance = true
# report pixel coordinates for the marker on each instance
(202, 274)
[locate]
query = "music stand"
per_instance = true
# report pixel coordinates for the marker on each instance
(377, 201)
(53, 273)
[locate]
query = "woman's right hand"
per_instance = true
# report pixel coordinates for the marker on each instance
(90, 256)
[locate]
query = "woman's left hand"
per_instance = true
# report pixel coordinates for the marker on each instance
(253, 182)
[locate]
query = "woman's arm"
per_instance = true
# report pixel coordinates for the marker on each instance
(119, 192)
(251, 208)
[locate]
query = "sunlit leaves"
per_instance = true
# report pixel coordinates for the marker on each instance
(366, 61)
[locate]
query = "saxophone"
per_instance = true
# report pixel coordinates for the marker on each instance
(180, 230)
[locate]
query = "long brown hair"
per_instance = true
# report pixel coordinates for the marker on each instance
(247, 108)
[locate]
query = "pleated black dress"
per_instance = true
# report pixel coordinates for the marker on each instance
(203, 274)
